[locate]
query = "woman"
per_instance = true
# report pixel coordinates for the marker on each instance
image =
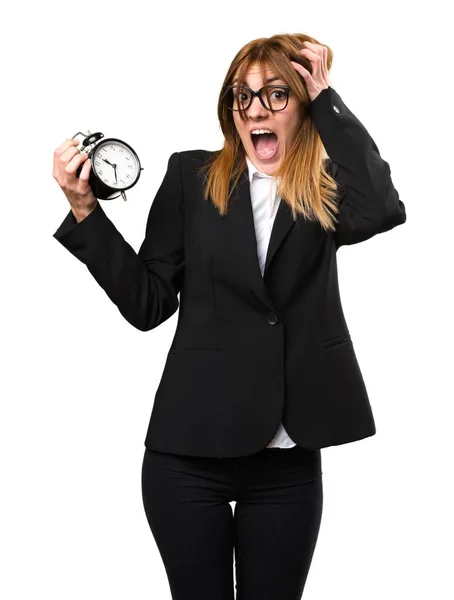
(262, 372)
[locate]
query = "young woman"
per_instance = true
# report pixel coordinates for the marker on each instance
(261, 373)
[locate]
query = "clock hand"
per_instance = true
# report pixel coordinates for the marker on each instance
(114, 168)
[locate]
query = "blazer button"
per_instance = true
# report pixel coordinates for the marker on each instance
(272, 318)
(336, 109)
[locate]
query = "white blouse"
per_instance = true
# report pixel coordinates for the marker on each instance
(264, 206)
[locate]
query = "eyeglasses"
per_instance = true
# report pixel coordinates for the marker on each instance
(241, 96)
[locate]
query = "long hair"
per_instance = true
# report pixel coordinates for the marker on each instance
(303, 181)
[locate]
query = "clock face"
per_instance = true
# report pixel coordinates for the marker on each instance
(116, 164)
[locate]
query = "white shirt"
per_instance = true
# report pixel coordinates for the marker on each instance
(264, 206)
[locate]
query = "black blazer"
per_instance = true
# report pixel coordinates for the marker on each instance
(247, 351)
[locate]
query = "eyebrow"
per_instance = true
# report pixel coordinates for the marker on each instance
(269, 80)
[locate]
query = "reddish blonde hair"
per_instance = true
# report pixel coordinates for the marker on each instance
(305, 184)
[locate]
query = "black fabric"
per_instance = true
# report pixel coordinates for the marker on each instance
(248, 350)
(270, 538)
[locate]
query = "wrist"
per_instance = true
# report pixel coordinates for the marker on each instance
(81, 213)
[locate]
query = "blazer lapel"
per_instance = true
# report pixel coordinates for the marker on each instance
(283, 222)
(241, 230)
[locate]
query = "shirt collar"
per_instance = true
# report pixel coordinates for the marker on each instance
(253, 169)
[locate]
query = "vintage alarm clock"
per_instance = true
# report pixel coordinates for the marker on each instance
(115, 166)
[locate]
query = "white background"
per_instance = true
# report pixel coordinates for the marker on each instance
(78, 381)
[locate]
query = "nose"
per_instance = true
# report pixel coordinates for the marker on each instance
(256, 110)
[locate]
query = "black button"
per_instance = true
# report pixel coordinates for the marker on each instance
(272, 318)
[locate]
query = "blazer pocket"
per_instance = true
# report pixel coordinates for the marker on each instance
(193, 350)
(337, 341)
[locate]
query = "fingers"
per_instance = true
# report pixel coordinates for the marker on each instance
(63, 148)
(63, 154)
(318, 57)
(301, 70)
(314, 47)
(71, 160)
(311, 55)
(71, 170)
(85, 172)
(315, 53)
(316, 73)
(65, 145)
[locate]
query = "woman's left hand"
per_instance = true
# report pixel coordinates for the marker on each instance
(318, 80)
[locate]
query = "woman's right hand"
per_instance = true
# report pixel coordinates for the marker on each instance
(67, 159)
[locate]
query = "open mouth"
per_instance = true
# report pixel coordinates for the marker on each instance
(265, 144)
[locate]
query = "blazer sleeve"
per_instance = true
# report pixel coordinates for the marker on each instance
(143, 285)
(369, 203)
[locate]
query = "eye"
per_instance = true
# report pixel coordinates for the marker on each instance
(241, 95)
(279, 94)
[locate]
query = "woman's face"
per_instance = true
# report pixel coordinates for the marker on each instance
(284, 124)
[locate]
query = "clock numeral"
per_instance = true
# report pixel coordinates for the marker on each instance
(100, 172)
(99, 156)
(129, 166)
(128, 175)
(104, 149)
(112, 147)
(106, 180)
(121, 150)
(127, 157)
(97, 163)
(121, 181)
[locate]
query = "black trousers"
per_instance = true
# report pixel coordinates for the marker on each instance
(271, 535)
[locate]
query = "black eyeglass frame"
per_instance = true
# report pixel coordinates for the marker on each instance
(259, 94)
